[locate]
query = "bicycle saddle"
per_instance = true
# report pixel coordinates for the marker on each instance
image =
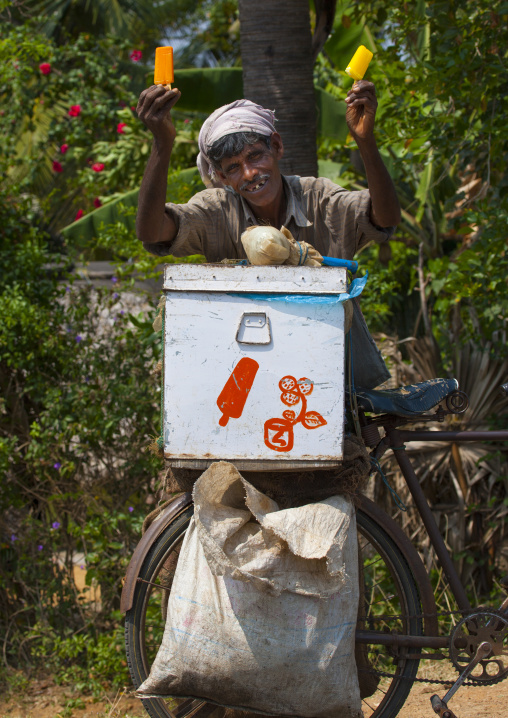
(408, 400)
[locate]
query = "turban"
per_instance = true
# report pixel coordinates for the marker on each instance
(239, 116)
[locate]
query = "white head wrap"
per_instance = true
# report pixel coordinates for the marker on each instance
(238, 116)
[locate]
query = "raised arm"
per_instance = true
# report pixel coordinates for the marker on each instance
(360, 117)
(153, 224)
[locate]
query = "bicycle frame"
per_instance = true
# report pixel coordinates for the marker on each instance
(395, 439)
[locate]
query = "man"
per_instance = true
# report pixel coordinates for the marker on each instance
(238, 161)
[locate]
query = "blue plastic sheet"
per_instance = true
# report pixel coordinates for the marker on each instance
(355, 289)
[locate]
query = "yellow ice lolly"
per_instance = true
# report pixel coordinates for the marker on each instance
(163, 73)
(359, 63)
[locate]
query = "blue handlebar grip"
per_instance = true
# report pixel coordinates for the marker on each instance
(347, 263)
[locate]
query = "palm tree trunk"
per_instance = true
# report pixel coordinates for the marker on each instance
(276, 47)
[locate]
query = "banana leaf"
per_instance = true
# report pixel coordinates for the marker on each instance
(206, 89)
(345, 38)
(82, 232)
(331, 116)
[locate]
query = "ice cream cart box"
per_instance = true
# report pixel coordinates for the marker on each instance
(253, 366)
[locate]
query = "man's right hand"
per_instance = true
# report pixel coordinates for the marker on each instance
(153, 223)
(154, 110)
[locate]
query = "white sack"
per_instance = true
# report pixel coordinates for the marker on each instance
(262, 616)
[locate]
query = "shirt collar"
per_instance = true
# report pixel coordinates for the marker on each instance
(294, 208)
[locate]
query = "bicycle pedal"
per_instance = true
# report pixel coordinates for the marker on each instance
(440, 707)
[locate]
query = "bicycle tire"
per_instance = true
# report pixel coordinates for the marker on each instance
(389, 572)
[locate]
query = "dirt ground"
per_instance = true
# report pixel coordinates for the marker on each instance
(43, 699)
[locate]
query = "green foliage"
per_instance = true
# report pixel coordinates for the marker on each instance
(51, 122)
(439, 71)
(469, 292)
(210, 37)
(391, 286)
(80, 403)
(91, 663)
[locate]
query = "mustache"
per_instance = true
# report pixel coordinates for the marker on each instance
(255, 181)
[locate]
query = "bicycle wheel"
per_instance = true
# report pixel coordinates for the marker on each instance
(389, 590)
(392, 604)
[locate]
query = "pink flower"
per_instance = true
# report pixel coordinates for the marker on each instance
(79, 214)
(98, 166)
(97, 203)
(186, 121)
(136, 55)
(120, 128)
(57, 167)
(74, 110)
(45, 68)
(64, 148)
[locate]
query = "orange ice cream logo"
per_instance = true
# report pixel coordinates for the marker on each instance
(232, 398)
(279, 434)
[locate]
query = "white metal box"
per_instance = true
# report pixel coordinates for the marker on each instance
(253, 366)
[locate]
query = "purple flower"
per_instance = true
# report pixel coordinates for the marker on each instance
(40, 547)
(122, 313)
(131, 509)
(57, 465)
(115, 295)
(114, 280)
(67, 289)
(14, 538)
(55, 525)
(79, 338)
(82, 568)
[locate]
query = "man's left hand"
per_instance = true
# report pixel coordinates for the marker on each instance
(361, 103)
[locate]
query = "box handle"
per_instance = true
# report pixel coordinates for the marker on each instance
(254, 328)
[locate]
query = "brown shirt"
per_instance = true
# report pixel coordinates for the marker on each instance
(332, 219)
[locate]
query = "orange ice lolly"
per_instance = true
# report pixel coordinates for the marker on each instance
(236, 390)
(163, 73)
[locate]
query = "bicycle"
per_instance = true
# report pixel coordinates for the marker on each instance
(399, 618)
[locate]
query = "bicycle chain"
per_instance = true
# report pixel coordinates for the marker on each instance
(436, 681)
(385, 674)
(463, 612)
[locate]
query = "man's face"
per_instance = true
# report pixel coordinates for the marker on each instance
(254, 173)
